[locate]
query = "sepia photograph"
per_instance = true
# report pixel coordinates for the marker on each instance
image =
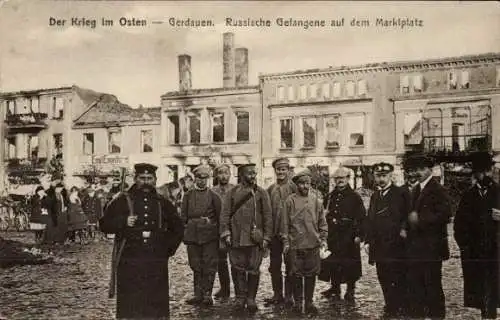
(249, 159)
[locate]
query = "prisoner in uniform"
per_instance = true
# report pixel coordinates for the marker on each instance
(385, 236)
(304, 231)
(345, 217)
(147, 232)
(223, 174)
(246, 228)
(278, 193)
(200, 212)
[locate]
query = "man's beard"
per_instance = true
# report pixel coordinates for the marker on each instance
(146, 188)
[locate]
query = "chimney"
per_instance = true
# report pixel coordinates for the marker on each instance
(228, 60)
(241, 67)
(184, 72)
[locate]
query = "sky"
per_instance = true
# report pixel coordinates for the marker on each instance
(139, 64)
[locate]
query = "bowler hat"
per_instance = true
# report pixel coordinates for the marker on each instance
(419, 161)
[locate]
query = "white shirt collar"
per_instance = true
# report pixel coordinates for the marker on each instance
(425, 182)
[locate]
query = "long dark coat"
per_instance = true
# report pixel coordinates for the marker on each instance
(345, 217)
(142, 286)
(92, 207)
(428, 240)
(387, 216)
(476, 235)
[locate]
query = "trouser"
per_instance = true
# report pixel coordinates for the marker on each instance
(490, 291)
(246, 262)
(203, 260)
(425, 289)
(391, 276)
(276, 261)
(223, 271)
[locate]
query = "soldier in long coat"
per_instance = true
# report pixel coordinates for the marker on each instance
(476, 236)
(147, 233)
(427, 242)
(304, 231)
(278, 193)
(223, 173)
(246, 228)
(345, 217)
(200, 213)
(385, 235)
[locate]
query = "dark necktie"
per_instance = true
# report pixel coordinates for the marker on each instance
(416, 193)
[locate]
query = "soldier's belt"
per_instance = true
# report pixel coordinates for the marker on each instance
(202, 219)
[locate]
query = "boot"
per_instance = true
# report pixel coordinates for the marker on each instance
(198, 293)
(224, 280)
(289, 291)
(298, 294)
(349, 294)
(208, 285)
(253, 287)
(241, 282)
(277, 283)
(310, 283)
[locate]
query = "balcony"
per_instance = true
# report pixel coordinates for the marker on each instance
(27, 120)
(452, 146)
(21, 166)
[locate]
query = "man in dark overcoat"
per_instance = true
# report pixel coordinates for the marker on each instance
(346, 214)
(476, 235)
(427, 242)
(246, 228)
(200, 212)
(223, 173)
(385, 225)
(147, 233)
(278, 193)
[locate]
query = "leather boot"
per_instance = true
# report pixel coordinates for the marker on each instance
(208, 285)
(253, 287)
(224, 280)
(198, 291)
(298, 294)
(309, 284)
(241, 282)
(277, 283)
(289, 290)
(349, 294)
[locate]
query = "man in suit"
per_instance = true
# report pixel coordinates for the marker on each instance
(427, 242)
(387, 214)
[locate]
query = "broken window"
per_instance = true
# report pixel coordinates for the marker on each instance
(337, 92)
(412, 128)
(464, 80)
(418, 83)
(313, 91)
(115, 141)
(242, 126)
(286, 131)
(57, 108)
(147, 140)
(194, 128)
(452, 80)
(173, 129)
(362, 89)
(33, 147)
(217, 126)
(58, 143)
(281, 94)
(309, 132)
(303, 92)
(355, 127)
(291, 93)
(404, 83)
(332, 128)
(326, 90)
(350, 88)
(88, 143)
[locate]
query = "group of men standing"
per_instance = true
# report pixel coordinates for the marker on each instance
(404, 230)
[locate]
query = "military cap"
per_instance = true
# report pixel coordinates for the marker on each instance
(202, 172)
(419, 161)
(301, 174)
(383, 168)
(281, 162)
(145, 168)
(222, 166)
(341, 172)
(248, 165)
(481, 161)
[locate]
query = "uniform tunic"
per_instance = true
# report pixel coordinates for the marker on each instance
(142, 272)
(304, 227)
(476, 236)
(245, 255)
(345, 218)
(200, 212)
(387, 216)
